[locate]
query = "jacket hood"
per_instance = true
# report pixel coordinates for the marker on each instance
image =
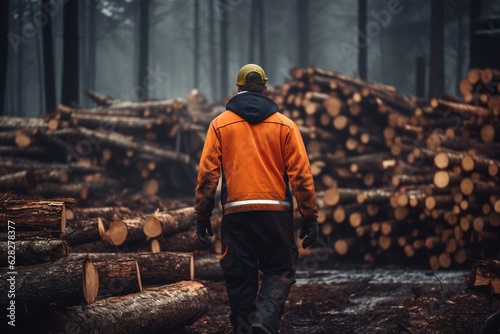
(251, 106)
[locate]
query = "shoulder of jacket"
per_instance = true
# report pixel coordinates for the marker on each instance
(280, 118)
(225, 118)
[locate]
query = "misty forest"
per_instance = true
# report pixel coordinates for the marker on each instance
(105, 108)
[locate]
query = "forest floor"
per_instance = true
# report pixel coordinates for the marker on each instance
(367, 300)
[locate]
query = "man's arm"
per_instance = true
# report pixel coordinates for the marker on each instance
(300, 175)
(208, 176)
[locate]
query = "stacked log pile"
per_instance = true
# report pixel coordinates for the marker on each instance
(80, 152)
(399, 179)
(82, 288)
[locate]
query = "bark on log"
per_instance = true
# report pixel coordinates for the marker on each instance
(115, 139)
(101, 99)
(21, 253)
(54, 283)
(33, 214)
(155, 268)
(20, 181)
(207, 266)
(169, 223)
(155, 310)
(180, 242)
(117, 277)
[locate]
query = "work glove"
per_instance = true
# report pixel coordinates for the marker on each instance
(201, 232)
(309, 232)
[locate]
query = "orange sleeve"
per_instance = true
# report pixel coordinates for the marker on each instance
(299, 173)
(208, 175)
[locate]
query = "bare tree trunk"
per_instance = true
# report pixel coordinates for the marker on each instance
(362, 55)
(224, 53)
(71, 40)
(4, 50)
(262, 35)
(475, 12)
(196, 57)
(143, 46)
(420, 76)
(436, 69)
(20, 56)
(303, 32)
(211, 49)
(48, 64)
(91, 46)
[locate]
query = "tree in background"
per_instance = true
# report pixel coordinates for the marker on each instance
(70, 74)
(49, 80)
(436, 68)
(224, 51)
(303, 32)
(196, 34)
(20, 63)
(143, 47)
(363, 52)
(4, 50)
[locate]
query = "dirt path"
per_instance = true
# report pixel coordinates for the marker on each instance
(420, 303)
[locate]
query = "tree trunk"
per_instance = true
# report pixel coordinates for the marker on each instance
(363, 54)
(20, 58)
(211, 50)
(48, 63)
(262, 35)
(143, 49)
(196, 41)
(32, 251)
(474, 14)
(303, 33)
(155, 268)
(224, 52)
(71, 40)
(155, 310)
(436, 68)
(91, 45)
(4, 50)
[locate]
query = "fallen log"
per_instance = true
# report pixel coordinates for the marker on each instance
(30, 252)
(207, 266)
(19, 181)
(168, 223)
(155, 268)
(33, 214)
(116, 278)
(154, 310)
(37, 286)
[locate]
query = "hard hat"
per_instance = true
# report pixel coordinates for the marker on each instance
(249, 68)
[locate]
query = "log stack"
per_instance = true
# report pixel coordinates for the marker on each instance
(53, 287)
(148, 147)
(398, 179)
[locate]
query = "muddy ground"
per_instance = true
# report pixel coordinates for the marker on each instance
(367, 300)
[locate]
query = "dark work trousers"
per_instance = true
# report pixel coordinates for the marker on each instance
(253, 241)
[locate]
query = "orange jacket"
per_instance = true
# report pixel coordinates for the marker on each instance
(258, 151)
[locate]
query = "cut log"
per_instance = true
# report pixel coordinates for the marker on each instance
(41, 285)
(207, 266)
(155, 310)
(180, 242)
(117, 277)
(76, 190)
(169, 223)
(155, 268)
(21, 253)
(19, 181)
(109, 212)
(33, 214)
(101, 99)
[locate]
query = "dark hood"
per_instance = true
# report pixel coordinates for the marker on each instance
(253, 107)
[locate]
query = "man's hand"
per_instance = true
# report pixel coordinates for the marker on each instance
(201, 232)
(309, 232)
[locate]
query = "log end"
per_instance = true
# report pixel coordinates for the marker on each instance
(90, 282)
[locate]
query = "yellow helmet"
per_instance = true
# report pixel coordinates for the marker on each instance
(249, 68)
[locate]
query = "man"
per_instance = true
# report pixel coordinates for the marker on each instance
(259, 152)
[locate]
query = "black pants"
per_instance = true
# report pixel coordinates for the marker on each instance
(253, 241)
